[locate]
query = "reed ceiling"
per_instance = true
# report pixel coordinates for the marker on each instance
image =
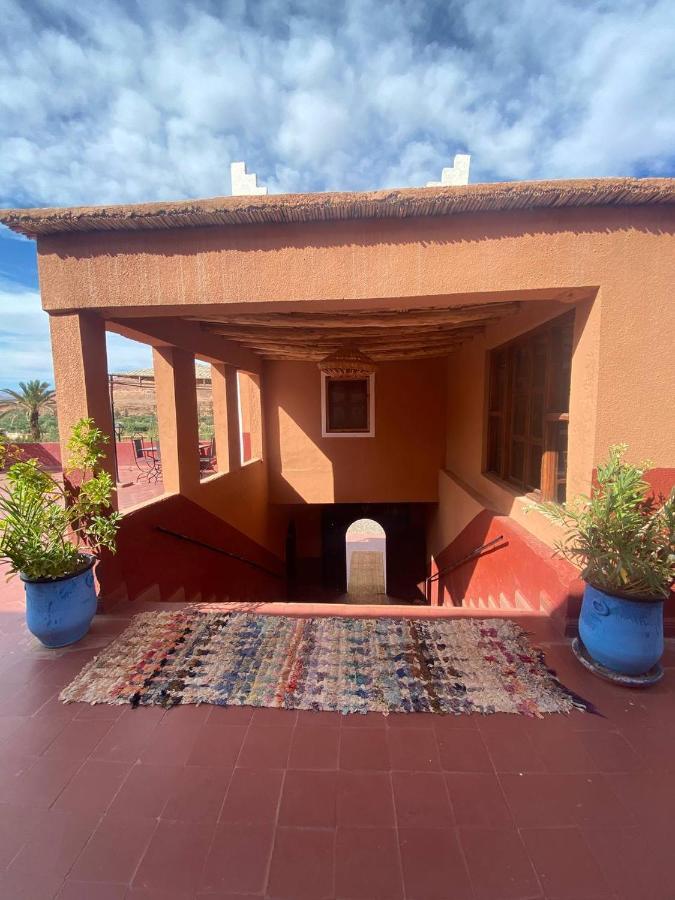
(381, 334)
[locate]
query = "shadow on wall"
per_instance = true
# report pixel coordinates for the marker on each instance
(521, 573)
(152, 565)
(336, 234)
(399, 463)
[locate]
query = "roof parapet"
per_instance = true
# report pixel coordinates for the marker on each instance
(455, 175)
(245, 184)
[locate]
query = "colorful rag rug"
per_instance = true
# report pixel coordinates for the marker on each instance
(341, 664)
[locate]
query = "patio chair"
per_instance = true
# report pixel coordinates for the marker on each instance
(207, 455)
(147, 461)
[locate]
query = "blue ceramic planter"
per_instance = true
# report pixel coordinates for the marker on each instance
(623, 635)
(59, 611)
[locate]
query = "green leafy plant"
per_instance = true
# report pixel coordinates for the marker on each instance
(622, 537)
(48, 526)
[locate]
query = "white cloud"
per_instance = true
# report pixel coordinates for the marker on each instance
(25, 351)
(128, 102)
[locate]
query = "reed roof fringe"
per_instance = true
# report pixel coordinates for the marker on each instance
(319, 207)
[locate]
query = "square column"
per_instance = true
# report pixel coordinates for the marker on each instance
(226, 416)
(81, 378)
(176, 397)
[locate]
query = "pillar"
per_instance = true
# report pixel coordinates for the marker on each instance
(81, 378)
(226, 416)
(176, 397)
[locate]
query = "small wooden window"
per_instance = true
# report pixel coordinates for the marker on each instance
(347, 405)
(528, 409)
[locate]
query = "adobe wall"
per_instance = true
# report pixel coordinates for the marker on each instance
(399, 464)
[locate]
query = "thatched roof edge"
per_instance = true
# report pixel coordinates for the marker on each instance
(317, 207)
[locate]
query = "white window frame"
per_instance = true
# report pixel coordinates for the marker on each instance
(348, 434)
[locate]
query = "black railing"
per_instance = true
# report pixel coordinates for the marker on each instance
(228, 553)
(460, 562)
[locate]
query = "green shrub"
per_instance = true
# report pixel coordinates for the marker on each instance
(621, 537)
(47, 526)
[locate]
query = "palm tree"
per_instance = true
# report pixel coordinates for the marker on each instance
(33, 397)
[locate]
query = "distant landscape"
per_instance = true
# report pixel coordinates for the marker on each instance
(134, 415)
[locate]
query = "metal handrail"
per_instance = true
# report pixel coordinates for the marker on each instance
(465, 559)
(242, 559)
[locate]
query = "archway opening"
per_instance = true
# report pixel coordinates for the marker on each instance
(366, 550)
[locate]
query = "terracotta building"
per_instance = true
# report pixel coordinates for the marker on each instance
(485, 345)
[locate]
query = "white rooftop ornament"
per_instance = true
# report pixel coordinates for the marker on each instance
(455, 176)
(244, 183)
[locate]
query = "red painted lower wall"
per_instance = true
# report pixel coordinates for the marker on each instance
(152, 565)
(519, 573)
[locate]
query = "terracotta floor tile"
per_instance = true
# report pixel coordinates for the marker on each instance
(404, 721)
(564, 863)
(35, 734)
(41, 783)
(196, 794)
(364, 749)
(308, 799)
(538, 800)
(128, 837)
(636, 862)
(314, 747)
(499, 866)
(367, 864)
(145, 792)
(238, 860)
(612, 752)
(17, 825)
(476, 798)
(312, 718)
(414, 750)
(512, 749)
(286, 718)
(92, 788)
(217, 744)
(369, 720)
(365, 798)
(229, 715)
(648, 796)
(565, 754)
(128, 736)
(421, 800)
(78, 740)
(175, 857)
(433, 865)
(29, 885)
(172, 742)
(302, 864)
(264, 748)
(441, 724)
(10, 725)
(90, 890)
(463, 750)
(252, 797)
(54, 844)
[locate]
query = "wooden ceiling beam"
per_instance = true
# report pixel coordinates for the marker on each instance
(338, 336)
(360, 319)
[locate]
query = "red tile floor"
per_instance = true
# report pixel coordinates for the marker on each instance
(104, 803)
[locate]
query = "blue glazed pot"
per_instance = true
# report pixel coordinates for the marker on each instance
(59, 610)
(624, 635)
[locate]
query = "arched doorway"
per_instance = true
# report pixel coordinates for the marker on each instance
(366, 554)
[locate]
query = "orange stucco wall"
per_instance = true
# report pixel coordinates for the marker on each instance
(621, 260)
(399, 464)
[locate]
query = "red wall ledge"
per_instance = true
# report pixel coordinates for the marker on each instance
(151, 565)
(520, 573)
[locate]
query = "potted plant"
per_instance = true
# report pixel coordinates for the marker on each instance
(623, 539)
(51, 531)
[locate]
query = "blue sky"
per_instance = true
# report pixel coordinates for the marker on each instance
(131, 101)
